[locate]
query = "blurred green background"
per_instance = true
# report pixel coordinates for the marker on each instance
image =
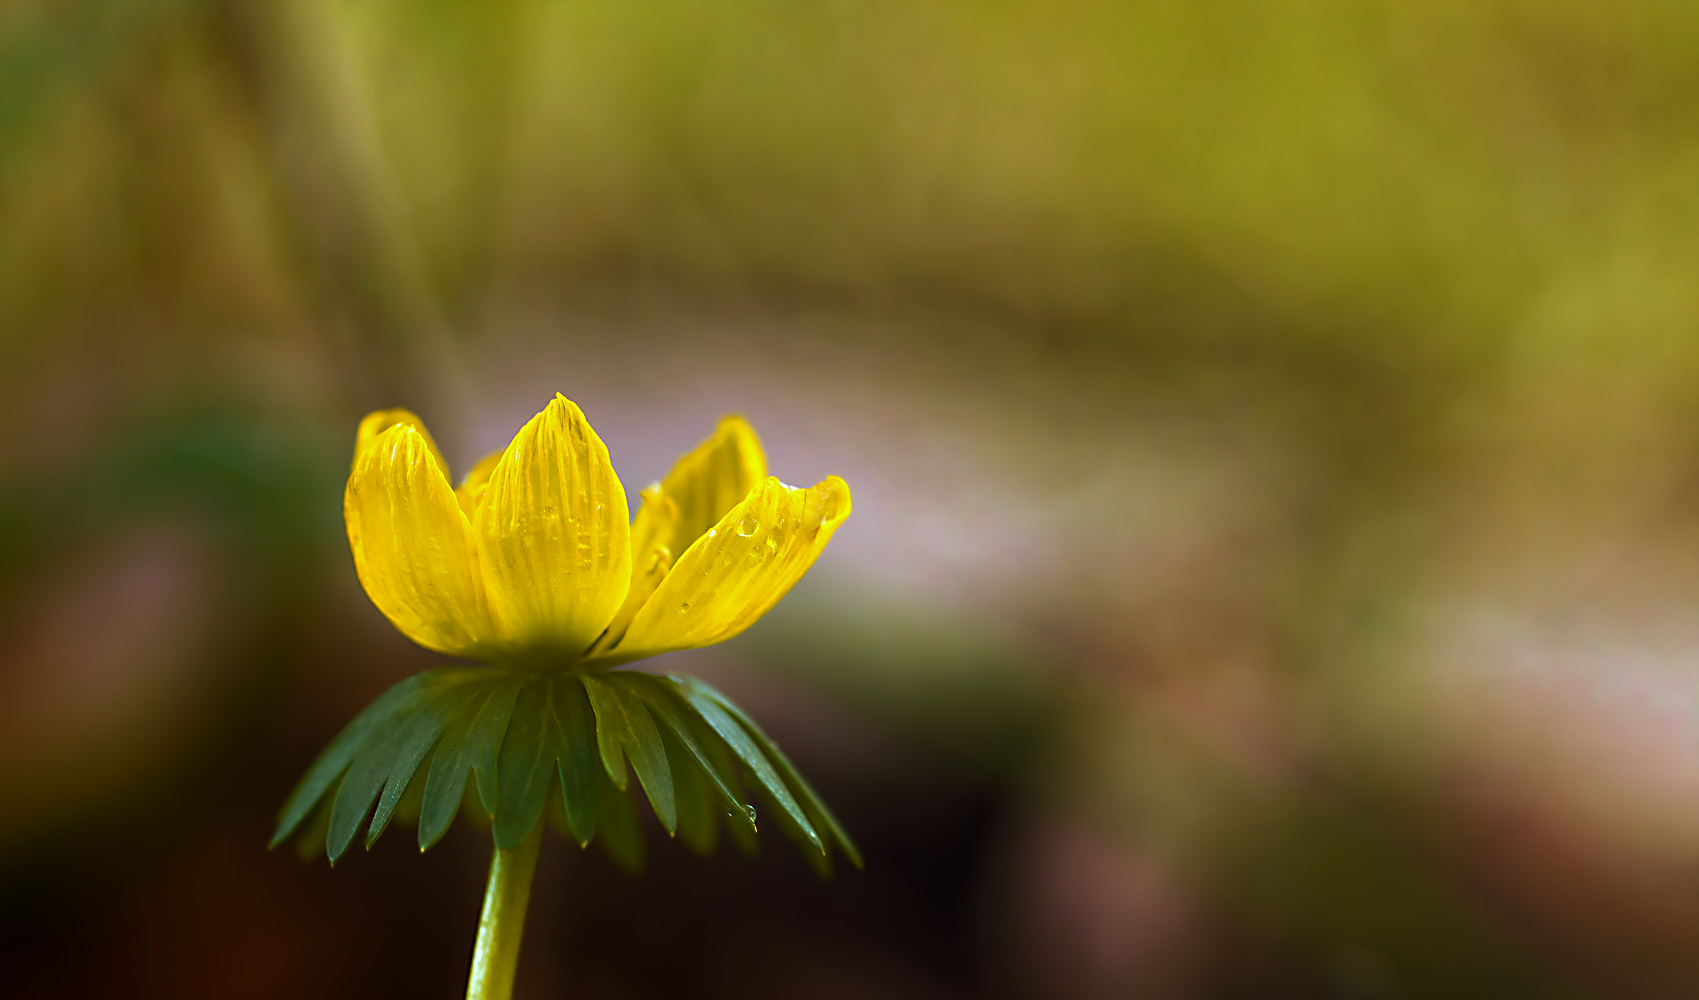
(1274, 430)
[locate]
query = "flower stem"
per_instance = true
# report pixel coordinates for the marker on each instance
(495, 957)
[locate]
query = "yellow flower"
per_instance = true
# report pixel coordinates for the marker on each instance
(532, 564)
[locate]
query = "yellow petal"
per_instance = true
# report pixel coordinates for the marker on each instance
(413, 548)
(471, 491)
(553, 534)
(733, 574)
(702, 486)
(648, 570)
(378, 421)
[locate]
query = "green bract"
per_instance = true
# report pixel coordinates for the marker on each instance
(513, 747)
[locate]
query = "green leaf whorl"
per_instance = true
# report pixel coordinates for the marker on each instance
(513, 748)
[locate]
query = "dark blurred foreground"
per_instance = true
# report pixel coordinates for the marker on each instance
(1273, 431)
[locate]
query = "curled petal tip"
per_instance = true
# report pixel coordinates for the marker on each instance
(738, 569)
(836, 503)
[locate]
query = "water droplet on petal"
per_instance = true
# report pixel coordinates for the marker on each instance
(830, 501)
(682, 608)
(747, 526)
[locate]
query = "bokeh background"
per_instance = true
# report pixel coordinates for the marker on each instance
(1274, 430)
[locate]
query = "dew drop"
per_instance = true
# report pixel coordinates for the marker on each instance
(682, 608)
(747, 526)
(829, 502)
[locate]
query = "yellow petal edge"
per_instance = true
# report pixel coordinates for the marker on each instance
(554, 535)
(739, 569)
(533, 558)
(704, 483)
(378, 421)
(413, 548)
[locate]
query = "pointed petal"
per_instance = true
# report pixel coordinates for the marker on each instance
(648, 570)
(705, 483)
(702, 486)
(733, 574)
(554, 534)
(378, 421)
(413, 548)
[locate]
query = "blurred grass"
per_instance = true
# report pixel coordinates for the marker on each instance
(1422, 170)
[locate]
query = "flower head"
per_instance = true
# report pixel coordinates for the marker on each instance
(532, 561)
(531, 565)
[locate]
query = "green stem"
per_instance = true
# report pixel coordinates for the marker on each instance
(495, 957)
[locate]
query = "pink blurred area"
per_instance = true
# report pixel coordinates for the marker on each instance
(1274, 567)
